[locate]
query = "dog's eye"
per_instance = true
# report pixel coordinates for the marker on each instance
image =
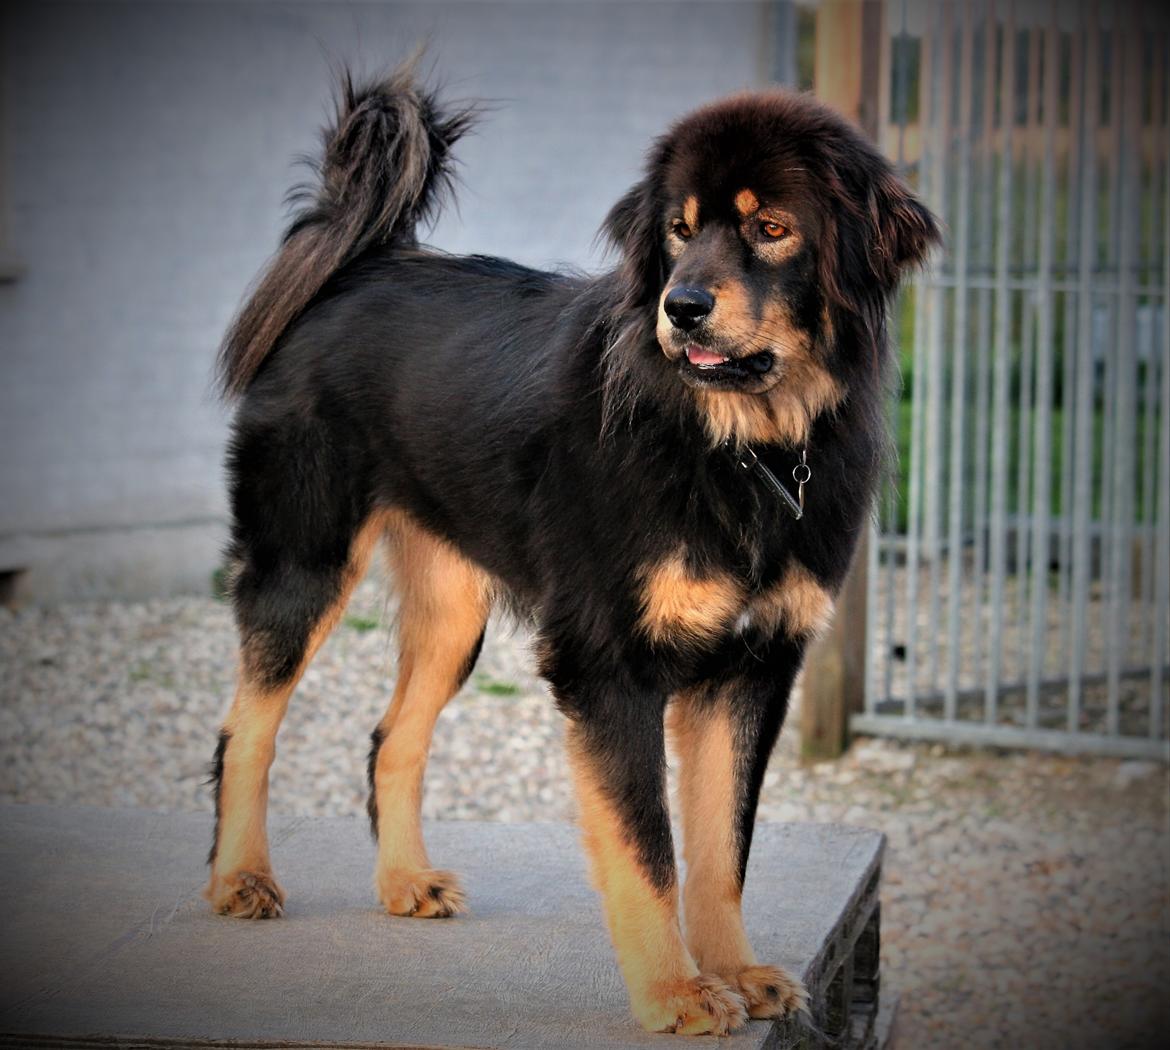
(774, 230)
(681, 230)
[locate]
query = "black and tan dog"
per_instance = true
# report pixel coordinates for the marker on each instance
(613, 457)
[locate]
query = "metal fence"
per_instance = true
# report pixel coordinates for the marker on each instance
(1019, 573)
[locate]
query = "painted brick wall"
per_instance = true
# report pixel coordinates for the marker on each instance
(148, 149)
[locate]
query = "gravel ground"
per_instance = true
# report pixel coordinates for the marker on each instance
(1026, 897)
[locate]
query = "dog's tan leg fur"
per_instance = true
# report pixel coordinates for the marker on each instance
(708, 796)
(667, 991)
(444, 605)
(242, 883)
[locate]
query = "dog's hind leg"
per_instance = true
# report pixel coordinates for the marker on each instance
(285, 608)
(723, 737)
(444, 601)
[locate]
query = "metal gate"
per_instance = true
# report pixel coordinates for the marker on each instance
(1019, 573)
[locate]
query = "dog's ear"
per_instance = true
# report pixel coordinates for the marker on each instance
(633, 227)
(905, 228)
(878, 230)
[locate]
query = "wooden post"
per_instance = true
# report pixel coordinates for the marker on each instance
(847, 75)
(834, 671)
(847, 62)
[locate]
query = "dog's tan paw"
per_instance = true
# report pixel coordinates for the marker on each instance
(426, 894)
(769, 991)
(246, 895)
(702, 1005)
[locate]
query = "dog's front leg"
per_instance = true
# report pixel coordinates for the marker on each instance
(617, 754)
(723, 735)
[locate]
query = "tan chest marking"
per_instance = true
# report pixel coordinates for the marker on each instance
(796, 602)
(679, 606)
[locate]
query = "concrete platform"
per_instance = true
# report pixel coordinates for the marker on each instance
(107, 942)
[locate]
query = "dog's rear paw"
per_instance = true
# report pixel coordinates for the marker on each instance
(246, 895)
(702, 1005)
(769, 991)
(426, 894)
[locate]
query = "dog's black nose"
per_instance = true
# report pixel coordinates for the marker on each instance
(686, 307)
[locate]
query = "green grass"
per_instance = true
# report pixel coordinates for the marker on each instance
(486, 684)
(1060, 503)
(219, 584)
(144, 671)
(362, 624)
(1017, 502)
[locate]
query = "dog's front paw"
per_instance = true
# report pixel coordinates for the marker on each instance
(246, 895)
(702, 1005)
(426, 894)
(769, 991)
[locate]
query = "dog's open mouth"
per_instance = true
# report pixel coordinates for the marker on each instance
(708, 367)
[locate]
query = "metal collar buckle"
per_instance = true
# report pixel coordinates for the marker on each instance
(749, 462)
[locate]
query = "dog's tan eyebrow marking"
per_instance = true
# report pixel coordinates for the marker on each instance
(691, 212)
(746, 203)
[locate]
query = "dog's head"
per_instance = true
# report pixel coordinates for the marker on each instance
(766, 228)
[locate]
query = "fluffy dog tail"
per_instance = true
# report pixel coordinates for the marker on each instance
(384, 167)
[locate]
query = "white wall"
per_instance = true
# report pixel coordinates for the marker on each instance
(148, 150)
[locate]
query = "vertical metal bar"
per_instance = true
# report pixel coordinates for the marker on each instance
(958, 396)
(875, 548)
(1072, 250)
(885, 56)
(985, 226)
(1001, 377)
(1041, 487)
(1144, 515)
(935, 358)
(895, 81)
(914, 496)
(1083, 459)
(871, 582)
(1150, 189)
(893, 66)
(926, 116)
(1161, 613)
(1128, 185)
(890, 584)
(1024, 462)
(1109, 536)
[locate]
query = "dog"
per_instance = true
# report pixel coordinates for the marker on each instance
(664, 468)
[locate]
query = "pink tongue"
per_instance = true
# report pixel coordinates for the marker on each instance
(698, 356)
